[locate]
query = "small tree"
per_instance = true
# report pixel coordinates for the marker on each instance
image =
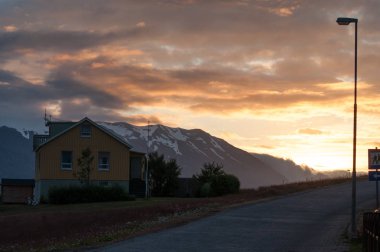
(85, 166)
(163, 175)
(171, 183)
(213, 181)
(209, 171)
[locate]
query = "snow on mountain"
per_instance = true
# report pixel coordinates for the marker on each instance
(193, 148)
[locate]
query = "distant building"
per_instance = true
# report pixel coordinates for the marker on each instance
(57, 154)
(16, 190)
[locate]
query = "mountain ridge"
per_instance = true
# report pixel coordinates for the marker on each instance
(191, 148)
(201, 147)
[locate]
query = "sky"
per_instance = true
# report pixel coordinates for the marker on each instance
(272, 77)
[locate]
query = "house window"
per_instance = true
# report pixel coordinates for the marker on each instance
(104, 161)
(66, 160)
(85, 130)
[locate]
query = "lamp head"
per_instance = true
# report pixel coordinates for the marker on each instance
(346, 20)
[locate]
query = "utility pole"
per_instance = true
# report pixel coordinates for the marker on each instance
(147, 165)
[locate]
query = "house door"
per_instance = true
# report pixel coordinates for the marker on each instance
(136, 184)
(136, 168)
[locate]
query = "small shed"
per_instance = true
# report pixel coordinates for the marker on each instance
(16, 190)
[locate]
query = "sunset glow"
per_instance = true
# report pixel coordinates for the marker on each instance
(271, 77)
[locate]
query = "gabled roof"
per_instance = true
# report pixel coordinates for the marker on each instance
(101, 128)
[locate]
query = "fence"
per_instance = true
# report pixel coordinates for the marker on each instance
(371, 232)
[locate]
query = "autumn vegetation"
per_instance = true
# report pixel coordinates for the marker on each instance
(50, 227)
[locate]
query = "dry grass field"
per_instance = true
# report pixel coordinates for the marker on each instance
(58, 227)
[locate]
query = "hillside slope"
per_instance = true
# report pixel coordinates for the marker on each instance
(17, 157)
(290, 170)
(193, 148)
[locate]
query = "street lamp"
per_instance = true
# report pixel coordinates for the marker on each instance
(347, 21)
(147, 165)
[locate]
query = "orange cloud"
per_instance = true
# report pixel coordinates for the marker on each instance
(308, 131)
(10, 28)
(265, 60)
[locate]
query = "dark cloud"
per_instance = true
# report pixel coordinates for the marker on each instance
(62, 40)
(218, 56)
(70, 89)
(57, 87)
(73, 97)
(141, 120)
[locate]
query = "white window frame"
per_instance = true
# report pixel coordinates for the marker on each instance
(101, 155)
(67, 166)
(85, 130)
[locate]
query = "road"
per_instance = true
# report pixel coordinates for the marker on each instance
(308, 221)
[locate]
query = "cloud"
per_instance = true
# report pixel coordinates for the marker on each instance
(309, 131)
(266, 147)
(141, 24)
(61, 40)
(284, 8)
(9, 28)
(142, 119)
(206, 56)
(65, 96)
(373, 144)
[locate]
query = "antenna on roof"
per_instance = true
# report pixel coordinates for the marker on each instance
(46, 119)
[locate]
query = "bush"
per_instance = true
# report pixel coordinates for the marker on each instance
(224, 184)
(209, 171)
(84, 194)
(205, 190)
(163, 175)
(213, 181)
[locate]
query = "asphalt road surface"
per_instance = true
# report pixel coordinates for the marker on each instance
(308, 221)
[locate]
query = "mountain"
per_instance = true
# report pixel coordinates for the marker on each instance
(193, 148)
(286, 167)
(17, 157)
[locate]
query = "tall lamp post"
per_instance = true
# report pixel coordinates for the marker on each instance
(147, 165)
(347, 21)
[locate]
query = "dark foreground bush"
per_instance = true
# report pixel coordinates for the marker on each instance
(219, 185)
(83, 194)
(213, 181)
(224, 184)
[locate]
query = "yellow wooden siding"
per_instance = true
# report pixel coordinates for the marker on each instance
(50, 156)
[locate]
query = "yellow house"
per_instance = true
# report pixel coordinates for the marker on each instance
(58, 152)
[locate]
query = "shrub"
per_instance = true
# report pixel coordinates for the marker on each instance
(209, 171)
(224, 184)
(163, 175)
(85, 166)
(83, 194)
(205, 190)
(213, 181)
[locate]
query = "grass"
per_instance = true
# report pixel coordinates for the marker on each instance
(57, 227)
(355, 246)
(14, 209)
